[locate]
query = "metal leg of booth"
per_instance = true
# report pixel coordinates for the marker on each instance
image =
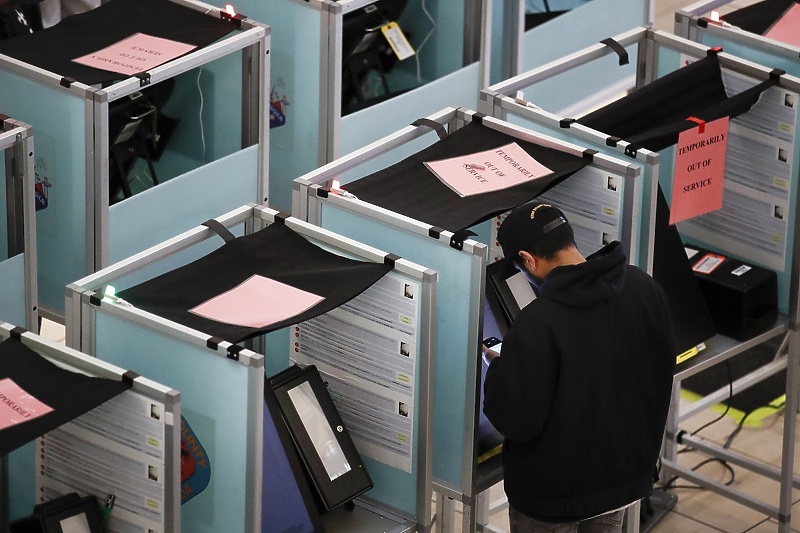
(485, 508)
(3, 494)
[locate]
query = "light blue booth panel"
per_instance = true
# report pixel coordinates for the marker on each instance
(3, 210)
(295, 88)
(157, 214)
(458, 89)
(12, 296)
(457, 311)
(61, 160)
(220, 402)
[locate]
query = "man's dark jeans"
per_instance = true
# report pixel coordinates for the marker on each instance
(607, 523)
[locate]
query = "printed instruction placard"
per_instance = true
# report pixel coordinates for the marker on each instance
(492, 170)
(137, 53)
(697, 184)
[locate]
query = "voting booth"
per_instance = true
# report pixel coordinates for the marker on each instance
(336, 84)
(753, 32)
(362, 317)
(91, 428)
(755, 225)
(18, 300)
(425, 220)
(190, 133)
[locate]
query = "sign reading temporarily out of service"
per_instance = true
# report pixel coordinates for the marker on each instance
(492, 170)
(699, 170)
(17, 406)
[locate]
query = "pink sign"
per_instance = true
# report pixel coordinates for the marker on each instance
(492, 170)
(17, 406)
(135, 54)
(699, 171)
(787, 28)
(256, 303)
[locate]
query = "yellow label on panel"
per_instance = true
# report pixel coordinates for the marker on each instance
(397, 40)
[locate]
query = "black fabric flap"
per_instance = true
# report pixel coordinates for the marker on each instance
(69, 394)
(653, 116)
(54, 48)
(410, 189)
(276, 252)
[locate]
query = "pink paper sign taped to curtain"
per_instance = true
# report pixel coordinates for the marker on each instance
(787, 28)
(492, 170)
(697, 184)
(257, 303)
(17, 406)
(137, 53)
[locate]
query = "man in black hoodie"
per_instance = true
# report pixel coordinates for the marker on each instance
(582, 389)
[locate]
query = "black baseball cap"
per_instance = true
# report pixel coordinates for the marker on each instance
(527, 224)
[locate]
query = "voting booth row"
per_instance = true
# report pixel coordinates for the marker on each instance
(191, 131)
(752, 230)
(18, 300)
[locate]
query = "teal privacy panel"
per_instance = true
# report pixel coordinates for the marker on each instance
(22, 481)
(756, 221)
(458, 89)
(214, 402)
(58, 118)
(575, 92)
(457, 308)
(12, 295)
(207, 103)
(295, 86)
(584, 26)
(3, 207)
(158, 214)
(443, 52)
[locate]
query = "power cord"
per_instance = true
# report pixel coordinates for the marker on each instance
(202, 128)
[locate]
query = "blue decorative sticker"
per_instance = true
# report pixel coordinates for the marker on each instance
(195, 464)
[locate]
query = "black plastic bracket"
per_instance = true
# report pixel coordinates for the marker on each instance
(620, 51)
(144, 78)
(458, 238)
(233, 351)
(390, 259)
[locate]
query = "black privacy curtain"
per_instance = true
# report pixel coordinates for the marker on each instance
(410, 189)
(275, 252)
(54, 49)
(69, 394)
(652, 118)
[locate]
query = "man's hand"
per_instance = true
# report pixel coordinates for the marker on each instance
(488, 354)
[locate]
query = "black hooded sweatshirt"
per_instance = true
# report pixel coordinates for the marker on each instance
(582, 389)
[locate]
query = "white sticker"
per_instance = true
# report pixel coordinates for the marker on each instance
(690, 252)
(741, 270)
(397, 40)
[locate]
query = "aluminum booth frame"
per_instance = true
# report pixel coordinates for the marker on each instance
(19, 301)
(507, 100)
(458, 477)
